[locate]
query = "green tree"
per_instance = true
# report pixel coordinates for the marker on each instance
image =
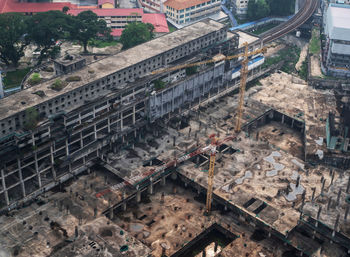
(45, 29)
(281, 7)
(258, 9)
(136, 33)
(65, 9)
(13, 26)
(87, 26)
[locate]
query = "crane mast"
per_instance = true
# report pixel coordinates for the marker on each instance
(242, 86)
(138, 180)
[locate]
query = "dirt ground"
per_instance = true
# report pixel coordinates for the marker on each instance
(302, 57)
(315, 66)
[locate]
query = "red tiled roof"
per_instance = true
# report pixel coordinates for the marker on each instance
(183, 4)
(110, 11)
(101, 2)
(14, 6)
(158, 20)
(116, 32)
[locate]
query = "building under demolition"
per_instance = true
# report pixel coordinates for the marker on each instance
(133, 129)
(54, 130)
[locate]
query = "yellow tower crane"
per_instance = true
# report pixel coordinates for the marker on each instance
(214, 142)
(244, 73)
(211, 173)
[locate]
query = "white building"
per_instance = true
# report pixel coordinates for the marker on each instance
(240, 7)
(336, 56)
(186, 11)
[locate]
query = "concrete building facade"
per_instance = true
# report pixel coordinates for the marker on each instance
(240, 7)
(181, 12)
(108, 108)
(152, 5)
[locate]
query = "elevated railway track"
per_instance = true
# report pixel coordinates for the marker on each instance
(297, 20)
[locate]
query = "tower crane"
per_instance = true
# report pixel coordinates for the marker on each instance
(244, 73)
(136, 181)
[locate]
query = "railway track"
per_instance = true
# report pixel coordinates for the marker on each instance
(297, 20)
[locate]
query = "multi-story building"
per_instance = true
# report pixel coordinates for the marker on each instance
(117, 18)
(240, 7)
(152, 5)
(49, 133)
(336, 53)
(183, 11)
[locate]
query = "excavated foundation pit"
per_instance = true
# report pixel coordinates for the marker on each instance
(209, 243)
(171, 222)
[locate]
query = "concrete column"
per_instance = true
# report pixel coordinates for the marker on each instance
(348, 187)
(322, 188)
(313, 193)
(81, 139)
(4, 187)
(318, 215)
(133, 114)
(150, 187)
(338, 196)
(33, 139)
(162, 197)
(20, 177)
(67, 149)
(95, 132)
(109, 125)
(111, 213)
(124, 201)
(37, 168)
(138, 196)
(121, 120)
(163, 181)
(346, 212)
(335, 225)
(333, 173)
(292, 123)
(282, 119)
(329, 203)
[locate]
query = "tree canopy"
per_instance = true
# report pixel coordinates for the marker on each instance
(46, 28)
(136, 33)
(258, 9)
(13, 27)
(281, 7)
(86, 25)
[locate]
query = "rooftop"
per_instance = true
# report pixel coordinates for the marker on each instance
(246, 37)
(100, 2)
(338, 22)
(183, 4)
(110, 12)
(14, 6)
(158, 20)
(24, 99)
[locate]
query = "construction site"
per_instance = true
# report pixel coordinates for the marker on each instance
(266, 201)
(204, 157)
